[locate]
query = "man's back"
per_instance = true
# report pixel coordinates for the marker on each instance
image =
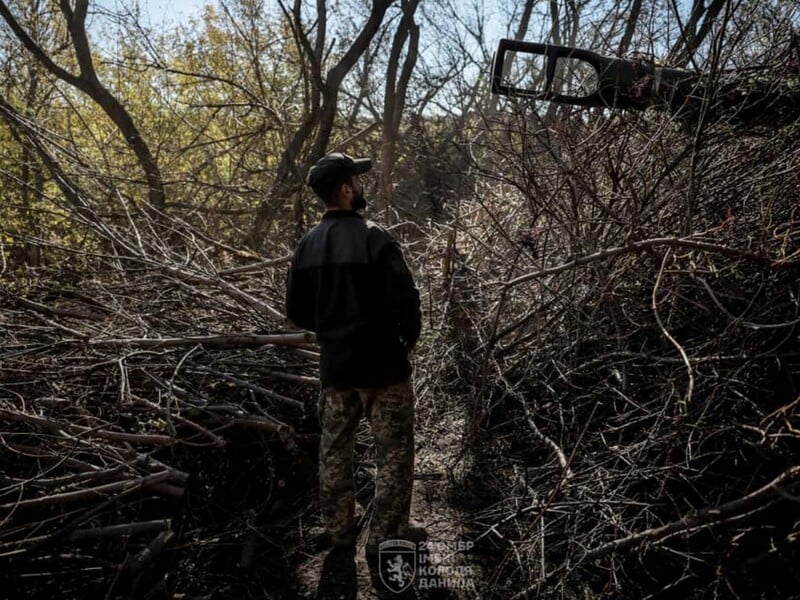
(349, 284)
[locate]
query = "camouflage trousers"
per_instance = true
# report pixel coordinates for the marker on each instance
(390, 412)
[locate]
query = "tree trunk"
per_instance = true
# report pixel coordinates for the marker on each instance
(630, 27)
(683, 50)
(88, 82)
(394, 98)
(322, 102)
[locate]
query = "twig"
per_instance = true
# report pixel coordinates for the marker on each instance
(562, 459)
(684, 404)
(256, 267)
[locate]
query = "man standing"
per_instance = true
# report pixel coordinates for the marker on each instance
(349, 284)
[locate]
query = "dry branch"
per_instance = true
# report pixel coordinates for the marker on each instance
(88, 494)
(707, 516)
(55, 311)
(230, 289)
(87, 432)
(251, 386)
(96, 533)
(151, 552)
(704, 517)
(255, 267)
(673, 242)
(211, 341)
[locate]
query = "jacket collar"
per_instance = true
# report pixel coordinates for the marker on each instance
(340, 214)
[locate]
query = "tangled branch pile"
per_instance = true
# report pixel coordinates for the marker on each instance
(615, 298)
(638, 374)
(122, 369)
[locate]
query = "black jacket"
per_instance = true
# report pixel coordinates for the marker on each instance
(349, 284)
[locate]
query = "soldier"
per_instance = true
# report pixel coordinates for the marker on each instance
(348, 282)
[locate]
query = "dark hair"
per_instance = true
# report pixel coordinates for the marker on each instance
(327, 188)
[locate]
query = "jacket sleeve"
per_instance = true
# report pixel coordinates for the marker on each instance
(401, 294)
(298, 298)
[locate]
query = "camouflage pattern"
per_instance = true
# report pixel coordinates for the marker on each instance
(390, 412)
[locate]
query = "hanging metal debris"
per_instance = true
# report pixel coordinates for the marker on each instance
(566, 75)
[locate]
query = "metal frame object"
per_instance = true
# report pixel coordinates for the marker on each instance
(621, 83)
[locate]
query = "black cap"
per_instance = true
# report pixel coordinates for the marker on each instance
(335, 164)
